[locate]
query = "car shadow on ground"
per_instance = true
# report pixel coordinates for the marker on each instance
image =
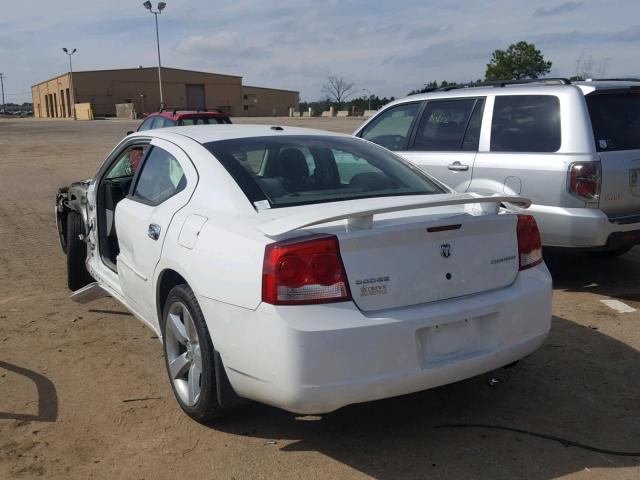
(46, 392)
(617, 277)
(558, 412)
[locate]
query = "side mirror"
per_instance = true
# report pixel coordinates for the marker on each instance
(130, 132)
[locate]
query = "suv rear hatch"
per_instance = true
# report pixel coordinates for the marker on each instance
(615, 117)
(411, 261)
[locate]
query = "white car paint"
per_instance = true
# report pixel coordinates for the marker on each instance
(317, 358)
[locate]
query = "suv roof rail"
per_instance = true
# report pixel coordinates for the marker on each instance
(623, 79)
(503, 83)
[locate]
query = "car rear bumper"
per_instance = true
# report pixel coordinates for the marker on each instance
(318, 358)
(582, 228)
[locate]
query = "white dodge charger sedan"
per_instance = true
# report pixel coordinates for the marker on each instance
(303, 269)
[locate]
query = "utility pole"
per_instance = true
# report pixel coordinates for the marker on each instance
(370, 95)
(161, 6)
(2, 77)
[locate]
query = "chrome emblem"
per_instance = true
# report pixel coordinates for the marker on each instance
(445, 250)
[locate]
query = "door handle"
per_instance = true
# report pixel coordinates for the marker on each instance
(154, 231)
(458, 167)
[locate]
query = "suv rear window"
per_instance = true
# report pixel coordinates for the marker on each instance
(615, 118)
(526, 123)
(298, 170)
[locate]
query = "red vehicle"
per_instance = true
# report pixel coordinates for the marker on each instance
(173, 118)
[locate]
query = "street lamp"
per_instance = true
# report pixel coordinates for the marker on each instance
(73, 93)
(161, 6)
(370, 95)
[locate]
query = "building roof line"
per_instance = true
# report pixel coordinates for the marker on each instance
(268, 88)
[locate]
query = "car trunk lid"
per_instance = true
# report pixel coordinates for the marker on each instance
(400, 263)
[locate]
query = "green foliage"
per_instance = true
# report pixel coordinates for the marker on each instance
(521, 60)
(431, 86)
(361, 104)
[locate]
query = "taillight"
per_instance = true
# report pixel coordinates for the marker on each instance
(584, 180)
(529, 244)
(304, 271)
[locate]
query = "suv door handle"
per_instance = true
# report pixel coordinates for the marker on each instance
(458, 167)
(154, 231)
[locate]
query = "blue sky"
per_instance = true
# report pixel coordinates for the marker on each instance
(388, 47)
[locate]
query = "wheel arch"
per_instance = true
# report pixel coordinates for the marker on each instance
(167, 279)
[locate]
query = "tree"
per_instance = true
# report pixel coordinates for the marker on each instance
(521, 60)
(338, 89)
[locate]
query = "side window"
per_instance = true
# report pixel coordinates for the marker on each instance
(350, 166)
(392, 127)
(443, 125)
(160, 179)
(146, 125)
(526, 123)
(252, 158)
(128, 163)
(472, 136)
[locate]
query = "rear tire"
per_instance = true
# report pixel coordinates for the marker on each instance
(77, 274)
(189, 355)
(612, 253)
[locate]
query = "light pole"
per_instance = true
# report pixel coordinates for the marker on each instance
(161, 6)
(2, 77)
(73, 94)
(370, 95)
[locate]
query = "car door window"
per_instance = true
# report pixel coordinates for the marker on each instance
(472, 136)
(127, 164)
(161, 178)
(525, 123)
(392, 127)
(443, 125)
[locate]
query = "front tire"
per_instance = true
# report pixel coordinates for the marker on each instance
(77, 274)
(189, 356)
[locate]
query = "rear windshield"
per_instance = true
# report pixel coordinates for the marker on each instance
(203, 121)
(615, 118)
(298, 170)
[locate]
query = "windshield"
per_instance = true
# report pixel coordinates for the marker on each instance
(615, 118)
(297, 170)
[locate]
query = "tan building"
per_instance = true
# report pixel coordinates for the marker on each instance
(184, 89)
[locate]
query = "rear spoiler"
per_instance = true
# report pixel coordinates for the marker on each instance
(359, 213)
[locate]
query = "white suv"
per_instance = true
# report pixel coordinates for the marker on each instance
(573, 148)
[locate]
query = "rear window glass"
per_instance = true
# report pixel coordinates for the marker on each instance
(615, 118)
(392, 127)
(445, 123)
(526, 123)
(298, 170)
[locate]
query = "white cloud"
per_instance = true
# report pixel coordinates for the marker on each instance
(387, 47)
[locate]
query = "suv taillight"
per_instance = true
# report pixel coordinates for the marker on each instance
(529, 244)
(304, 271)
(584, 180)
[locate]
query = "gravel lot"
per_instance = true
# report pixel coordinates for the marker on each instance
(84, 393)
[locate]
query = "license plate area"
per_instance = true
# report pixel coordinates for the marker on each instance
(457, 340)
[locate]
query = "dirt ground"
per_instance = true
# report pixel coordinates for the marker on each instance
(84, 393)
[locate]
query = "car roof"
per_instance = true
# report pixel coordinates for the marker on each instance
(213, 133)
(586, 86)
